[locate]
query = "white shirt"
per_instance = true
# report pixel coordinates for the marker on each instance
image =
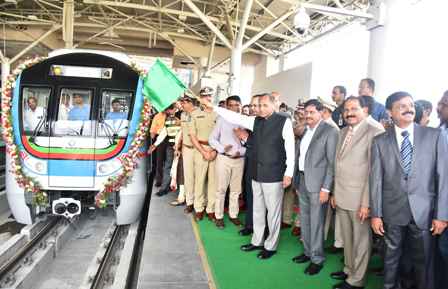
(305, 144)
(32, 118)
(248, 123)
(400, 138)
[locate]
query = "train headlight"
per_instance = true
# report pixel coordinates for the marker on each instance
(39, 167)
(108, 168)
(103, 168)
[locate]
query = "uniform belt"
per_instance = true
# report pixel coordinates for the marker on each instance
(203, 142)
(188, 146)
(232, 157)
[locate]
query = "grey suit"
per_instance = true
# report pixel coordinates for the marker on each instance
(318, 174)
(409, 204)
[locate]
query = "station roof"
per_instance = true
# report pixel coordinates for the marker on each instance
(156, 27)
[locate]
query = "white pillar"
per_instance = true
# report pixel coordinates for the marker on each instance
(6, 68)
(235, 71)
(383, 39)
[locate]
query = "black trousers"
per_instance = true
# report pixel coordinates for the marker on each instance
(248, 196)
(160, 160)
(413, 247)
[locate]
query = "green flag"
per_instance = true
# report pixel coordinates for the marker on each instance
(161, 86)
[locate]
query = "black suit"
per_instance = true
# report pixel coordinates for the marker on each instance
(408, 204)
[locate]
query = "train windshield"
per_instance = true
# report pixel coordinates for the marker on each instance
(114, 113)
(74, 113)
(34, 109)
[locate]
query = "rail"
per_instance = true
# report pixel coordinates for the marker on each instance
(17, 258)
(108, 258)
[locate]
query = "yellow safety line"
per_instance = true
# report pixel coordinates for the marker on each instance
(203, 255)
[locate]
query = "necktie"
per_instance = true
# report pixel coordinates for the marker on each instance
(406, 153)
(347, 140)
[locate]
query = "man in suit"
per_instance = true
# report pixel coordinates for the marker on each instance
(314, 173)
(351, 192)
(442, 265)
(408, 191)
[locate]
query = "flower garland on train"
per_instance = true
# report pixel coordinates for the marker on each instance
(29, 184)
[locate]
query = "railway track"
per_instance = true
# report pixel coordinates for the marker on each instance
(87, 254)
(18, 255)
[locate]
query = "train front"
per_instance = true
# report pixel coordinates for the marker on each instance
(74, 116)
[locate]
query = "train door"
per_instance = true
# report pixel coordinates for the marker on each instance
(72, 140)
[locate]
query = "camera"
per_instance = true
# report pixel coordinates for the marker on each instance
(302, 21)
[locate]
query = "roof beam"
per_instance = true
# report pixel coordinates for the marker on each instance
(37, 41)
(271, 26)
(208, 22)
(188, 14)
(162, 34)
(332, 10)
(275, 17)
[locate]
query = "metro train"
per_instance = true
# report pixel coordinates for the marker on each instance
(74, 114)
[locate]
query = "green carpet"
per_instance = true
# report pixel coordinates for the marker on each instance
(234, 269)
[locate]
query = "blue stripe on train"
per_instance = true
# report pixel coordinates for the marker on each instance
(71, 168)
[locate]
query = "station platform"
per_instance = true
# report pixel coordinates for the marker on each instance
(181, 253)
(171, 255)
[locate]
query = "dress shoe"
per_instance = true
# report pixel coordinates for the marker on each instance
(211, 217)
(161, 193)
(296, 231)
(334, 250)
(313, 269)
(188, 209)
(176, 203)
(285, 226)
(245, 232)
(266, 254)
(199, 216)
(249, 247)
(339, 275)
(235, 221)
(345, 285)
(301, 259)
(220, 223)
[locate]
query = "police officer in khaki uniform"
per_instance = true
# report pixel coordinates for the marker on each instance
(203, 122)
(187, 151)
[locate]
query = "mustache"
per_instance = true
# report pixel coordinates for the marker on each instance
(351, 116)
(408, 112)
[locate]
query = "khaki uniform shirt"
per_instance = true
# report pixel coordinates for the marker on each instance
(202, 124)
(185, 123)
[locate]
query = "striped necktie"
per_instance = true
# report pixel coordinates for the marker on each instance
(406, 153)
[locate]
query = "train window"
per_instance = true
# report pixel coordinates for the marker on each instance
(74, 112)
(114, 113)
(34, 109)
